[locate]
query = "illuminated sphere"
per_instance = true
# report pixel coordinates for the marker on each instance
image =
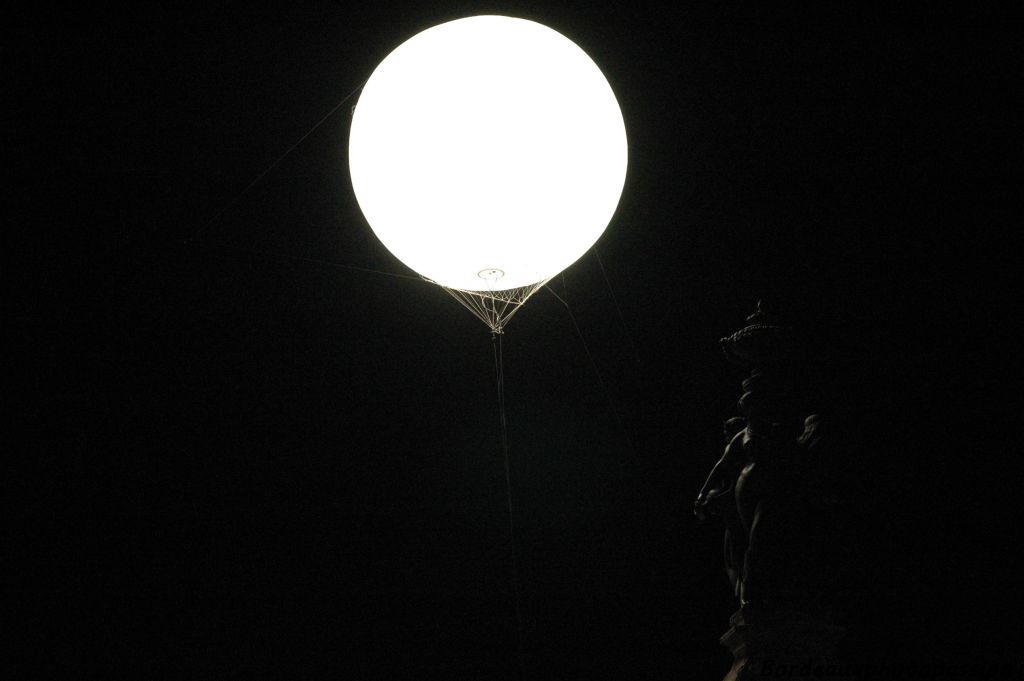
(487, 153)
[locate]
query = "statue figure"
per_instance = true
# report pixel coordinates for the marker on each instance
(769, 486)
(772, 488)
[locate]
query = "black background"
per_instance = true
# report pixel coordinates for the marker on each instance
(251, 456)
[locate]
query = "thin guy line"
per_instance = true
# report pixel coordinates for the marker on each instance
(273, 165)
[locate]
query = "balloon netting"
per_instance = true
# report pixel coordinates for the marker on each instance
(495, 308)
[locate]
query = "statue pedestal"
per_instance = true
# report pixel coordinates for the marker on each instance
(779, 645)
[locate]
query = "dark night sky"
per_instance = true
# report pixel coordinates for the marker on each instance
(252, 458)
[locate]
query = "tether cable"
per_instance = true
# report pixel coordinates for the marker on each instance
(499, 371)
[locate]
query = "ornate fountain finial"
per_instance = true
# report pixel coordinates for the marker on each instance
(763, 341)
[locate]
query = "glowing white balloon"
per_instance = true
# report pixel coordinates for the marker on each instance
(488, 153)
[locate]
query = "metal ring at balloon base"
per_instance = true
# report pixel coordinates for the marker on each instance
(491, 274)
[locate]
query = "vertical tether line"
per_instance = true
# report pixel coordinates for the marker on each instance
(499, 371)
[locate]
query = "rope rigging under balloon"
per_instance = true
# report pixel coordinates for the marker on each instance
(493, 308)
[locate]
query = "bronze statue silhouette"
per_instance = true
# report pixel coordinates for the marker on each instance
(770, 486)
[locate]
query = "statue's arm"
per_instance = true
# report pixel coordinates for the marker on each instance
(723, 476)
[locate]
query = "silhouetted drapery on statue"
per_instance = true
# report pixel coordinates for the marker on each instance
(772, 489)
